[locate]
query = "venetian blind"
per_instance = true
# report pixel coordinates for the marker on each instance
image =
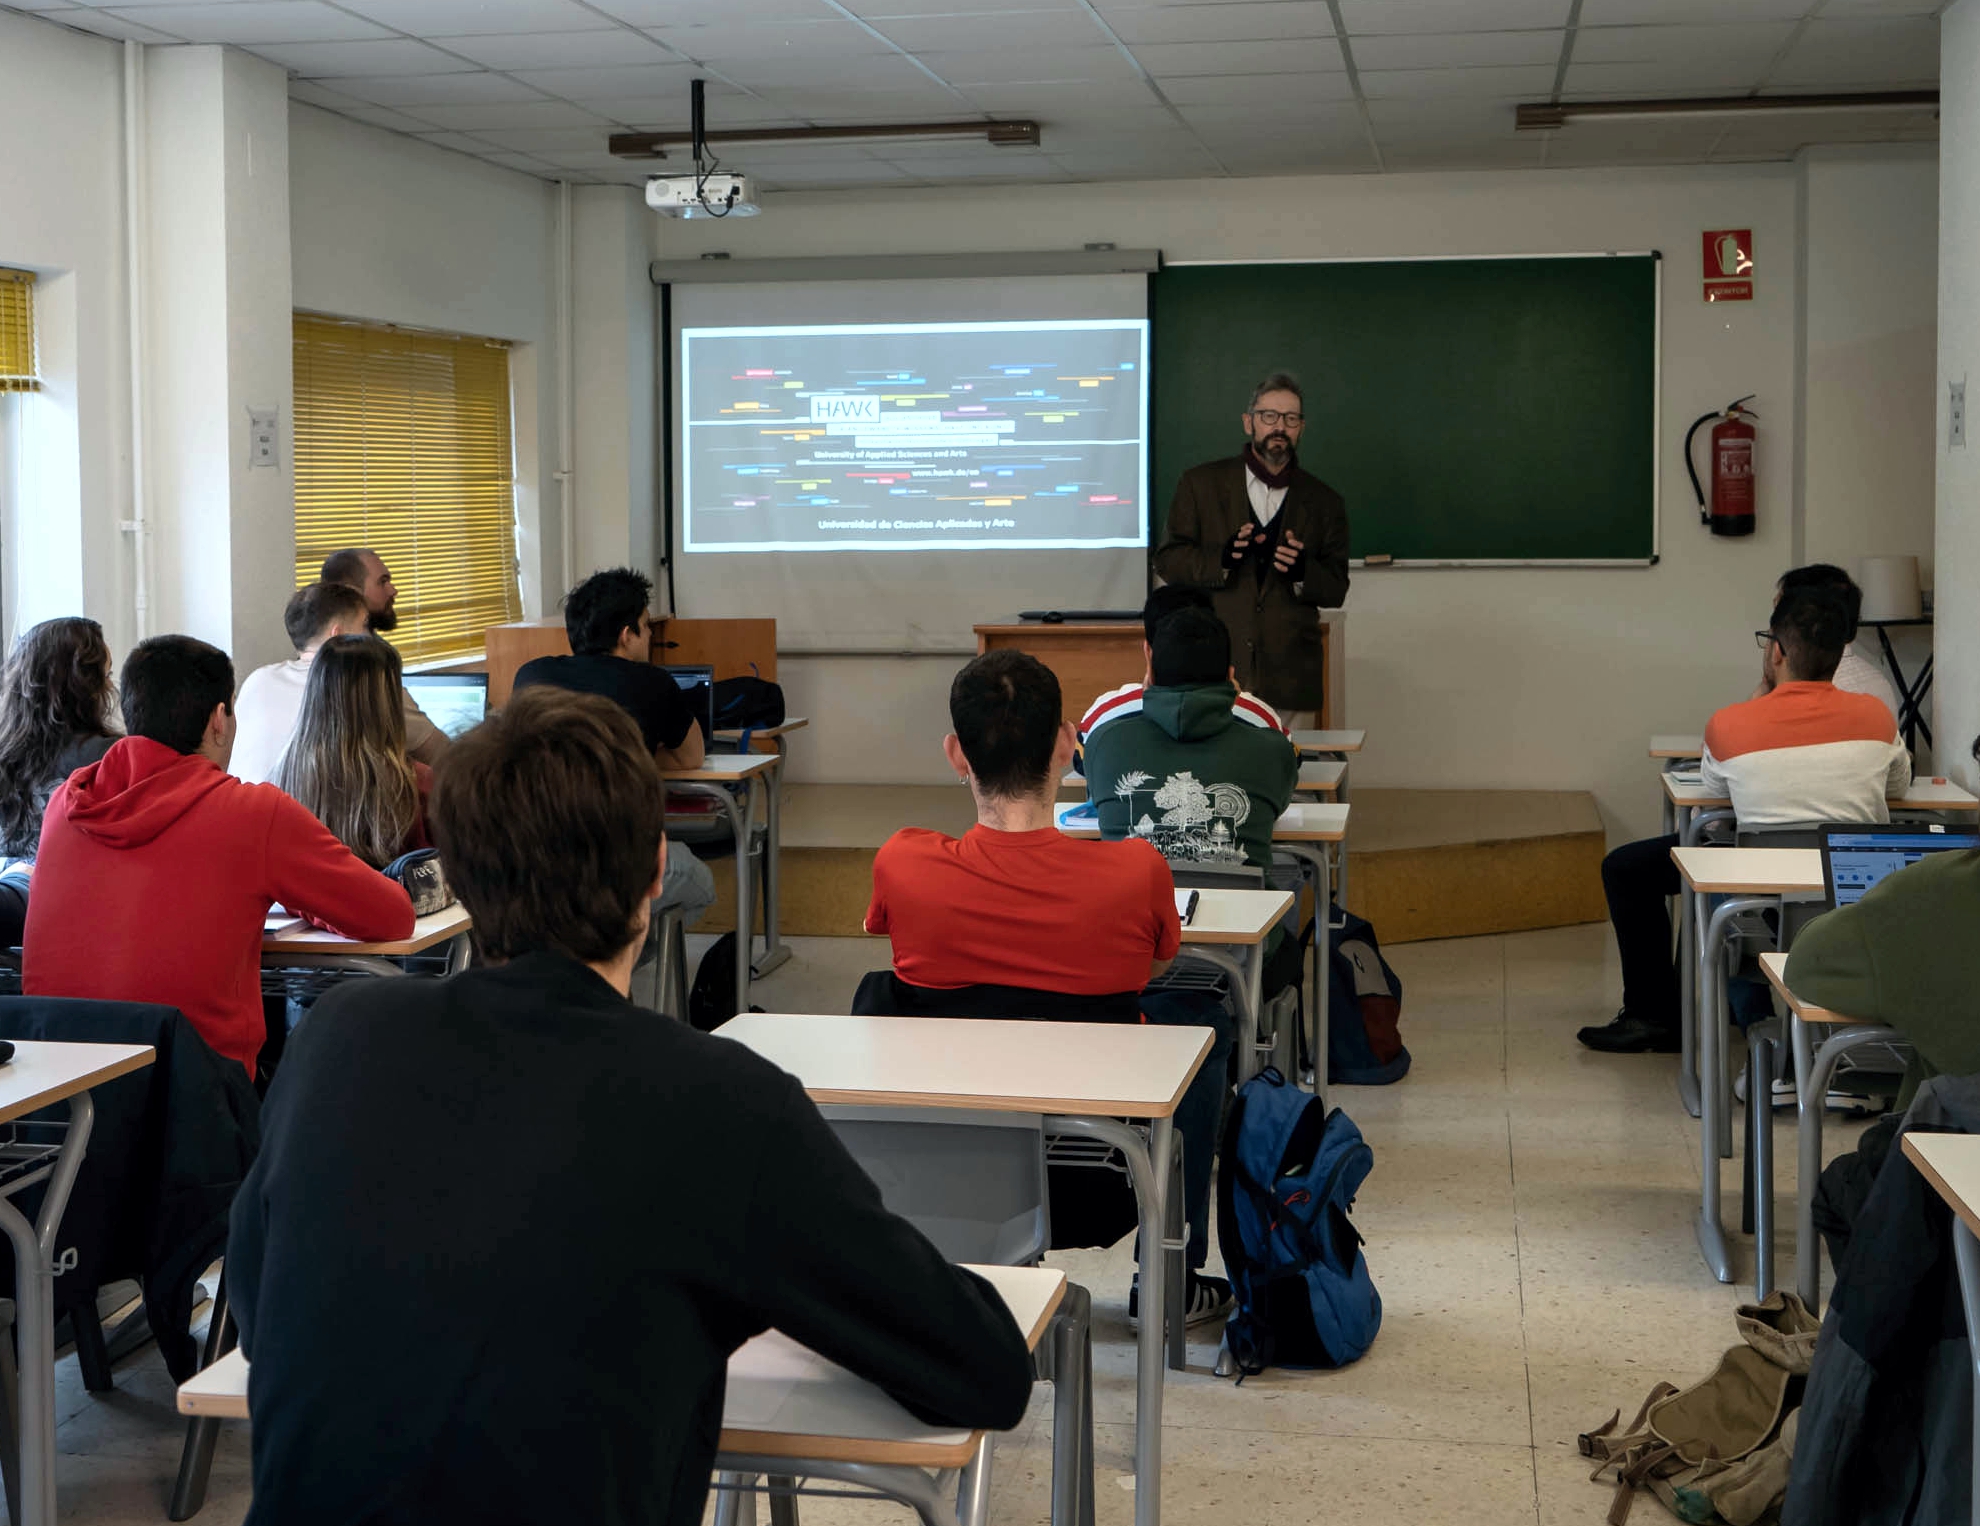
(17, 359)
(403, 446)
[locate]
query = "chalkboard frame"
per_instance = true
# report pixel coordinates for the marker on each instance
(1656, 259)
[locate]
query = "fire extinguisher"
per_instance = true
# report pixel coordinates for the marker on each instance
(1733, 486)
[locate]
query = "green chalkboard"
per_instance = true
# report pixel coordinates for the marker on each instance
(1468, 410)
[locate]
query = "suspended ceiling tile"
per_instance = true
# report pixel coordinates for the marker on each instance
(1323, 116)
(362, 60)
(876, 12)
(1270, 20)
(108, 24)
(1843, 10)
(1292, 55)
(1236, 89)
(1678, 12)
(1455, 84)
(386, 117)
(792, 68)
(655, 112)
(1457, 50)
(464, 18)
(523, 162)
(612, 48)
(836, 38)
(605, 84)
(544, 140)
(1401, 118)
(1460, 154)
(438, 90)
(249, 22)
(1046, 66)
(1741, 45)
(671, 13)
(1047, 101)
(993, 31)
(1702, 76)
(318, 95)
(514, 117)
(1380, 17)
(1902, 50)
(458, 142)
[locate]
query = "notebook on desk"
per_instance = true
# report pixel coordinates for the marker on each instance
(1856, 859)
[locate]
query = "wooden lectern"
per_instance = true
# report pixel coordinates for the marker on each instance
(1091, 657)
(733, 648)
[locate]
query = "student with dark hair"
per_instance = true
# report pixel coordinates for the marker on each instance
(55, 703)
(1189, 733)
(1802, 751)
(1855, 674)
(271, 697)
(1015, 911)
(705, 1193)
(157, 867)
(610, 629)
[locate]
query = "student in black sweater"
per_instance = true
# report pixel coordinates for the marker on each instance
(506, 1228)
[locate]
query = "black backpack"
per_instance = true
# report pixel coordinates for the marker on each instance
(743, 704)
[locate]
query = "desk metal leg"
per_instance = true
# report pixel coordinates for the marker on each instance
(1687, 1000)
(1323, 974)
(1245, 967)
(1072, 1409)
(1712, 1094)
(1148, 1169)
(34, 1295)
(774, 953)
(1341, 795)
(1175, 1260)
(1813, 1068)
(1760, 1133)
(973, 1491)
(1966, 1255)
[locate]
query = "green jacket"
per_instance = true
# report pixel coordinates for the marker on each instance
(1201, 772)
(1907, 954)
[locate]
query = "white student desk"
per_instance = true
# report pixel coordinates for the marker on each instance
(774, 953)
(1689, 809)
(1306, 832)
(716, 779)
(40, 1075)
(1747, 879)
(1820, 1038)
(1084, 1078)
(1951, 1164)
(788, 1412)
(313, 948)
(1229, 928)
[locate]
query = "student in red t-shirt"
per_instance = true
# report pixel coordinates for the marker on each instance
(1014, 907)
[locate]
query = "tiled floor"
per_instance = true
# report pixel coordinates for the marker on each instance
(1528, 1225)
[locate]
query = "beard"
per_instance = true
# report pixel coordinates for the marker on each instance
(383, 620)
(1275, 446)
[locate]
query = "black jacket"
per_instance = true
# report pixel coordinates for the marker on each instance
(1884, 1436)
(168, 1150)
(505, 1231)
(1274, 624)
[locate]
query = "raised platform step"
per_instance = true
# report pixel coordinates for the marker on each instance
(1421, 863)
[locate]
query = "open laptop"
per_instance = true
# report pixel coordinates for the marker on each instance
(1857, 858)
(455, 702)
(698, 684)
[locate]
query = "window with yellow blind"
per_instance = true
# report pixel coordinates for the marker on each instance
(403, 446)
(18, 372)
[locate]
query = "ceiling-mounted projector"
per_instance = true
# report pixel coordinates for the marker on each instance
(712, 195)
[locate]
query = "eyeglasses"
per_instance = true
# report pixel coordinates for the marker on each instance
(1763, 639)
(1270, 417)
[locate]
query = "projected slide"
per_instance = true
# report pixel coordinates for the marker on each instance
(916, 436)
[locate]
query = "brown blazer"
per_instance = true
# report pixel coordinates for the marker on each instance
(1275, 629)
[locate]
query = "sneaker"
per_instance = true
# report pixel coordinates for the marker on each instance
(1209, 1298)
(1783, 1090)
(1631, 1035)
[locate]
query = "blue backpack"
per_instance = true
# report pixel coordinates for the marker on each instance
(1288, 1180)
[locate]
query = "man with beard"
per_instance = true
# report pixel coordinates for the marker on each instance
(1270, 543)
(366, 571)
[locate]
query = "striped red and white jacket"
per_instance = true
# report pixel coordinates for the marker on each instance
(1806, 752)
(1126, 700)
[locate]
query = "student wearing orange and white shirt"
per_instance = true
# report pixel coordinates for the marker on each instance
(1802, 750)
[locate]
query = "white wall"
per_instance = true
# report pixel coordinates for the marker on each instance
(64, 203)
(397, 231)
(1503, 678)
(613, 303)
(1956, 635)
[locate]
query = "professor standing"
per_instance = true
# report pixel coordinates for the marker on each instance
(1270, 542)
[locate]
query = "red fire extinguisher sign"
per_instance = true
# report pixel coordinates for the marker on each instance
(1729, 265)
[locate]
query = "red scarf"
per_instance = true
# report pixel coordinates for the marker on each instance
(1264, 473)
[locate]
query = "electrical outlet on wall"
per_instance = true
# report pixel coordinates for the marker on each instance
(1956, 414)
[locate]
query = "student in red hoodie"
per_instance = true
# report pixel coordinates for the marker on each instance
(157, 867)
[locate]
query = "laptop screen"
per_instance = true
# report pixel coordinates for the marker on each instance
(1855, 859)
(455, 702)
(698, 684)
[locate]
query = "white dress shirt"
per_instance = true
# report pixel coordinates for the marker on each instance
(1265, 500)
